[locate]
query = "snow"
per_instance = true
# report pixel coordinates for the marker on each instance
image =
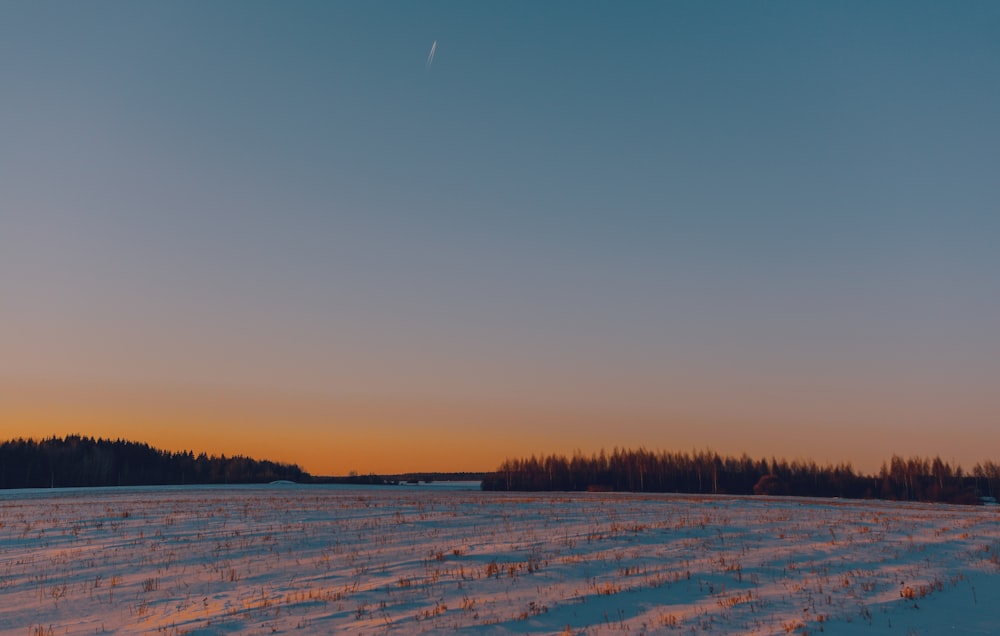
(337, 559)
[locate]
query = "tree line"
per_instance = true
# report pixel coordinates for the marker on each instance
(706, 472)
(75, 461)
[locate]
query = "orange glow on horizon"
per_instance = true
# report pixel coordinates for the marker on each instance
(327, 436)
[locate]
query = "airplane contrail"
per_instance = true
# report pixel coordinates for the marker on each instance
(430, 56)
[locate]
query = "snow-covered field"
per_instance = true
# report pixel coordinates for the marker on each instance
(328, 559)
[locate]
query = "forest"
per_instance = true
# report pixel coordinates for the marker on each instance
(706, 472)
(72, 461)
(75, 461)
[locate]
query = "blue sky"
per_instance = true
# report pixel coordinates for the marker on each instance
(664, 223)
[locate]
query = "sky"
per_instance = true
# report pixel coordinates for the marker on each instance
(284, 229)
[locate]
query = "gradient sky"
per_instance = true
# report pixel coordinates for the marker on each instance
(269, 228)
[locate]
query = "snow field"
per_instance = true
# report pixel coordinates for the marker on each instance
(320, 560)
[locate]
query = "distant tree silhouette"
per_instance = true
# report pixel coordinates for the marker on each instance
(705, 472)
(84, 461)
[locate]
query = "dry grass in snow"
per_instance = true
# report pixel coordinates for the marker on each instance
(320, 560)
